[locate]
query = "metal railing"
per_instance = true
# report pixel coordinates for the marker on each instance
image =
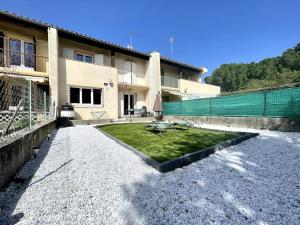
(23, 103)
(127, 77)
(19, 61)
(169, 82)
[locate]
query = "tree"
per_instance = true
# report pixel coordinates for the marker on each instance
(268, 72)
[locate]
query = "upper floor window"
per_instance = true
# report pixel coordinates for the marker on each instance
(84, 58)
(21, 53)
(15, 52)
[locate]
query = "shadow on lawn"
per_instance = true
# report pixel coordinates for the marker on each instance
(11, 195)
(234, 186)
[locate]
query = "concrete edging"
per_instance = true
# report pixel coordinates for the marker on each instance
(185, 159)
(269, 123)
(19, 148)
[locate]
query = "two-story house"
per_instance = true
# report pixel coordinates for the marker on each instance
(95, 76)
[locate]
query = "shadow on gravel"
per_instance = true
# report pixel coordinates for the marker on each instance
(233, 188)
(15, 189)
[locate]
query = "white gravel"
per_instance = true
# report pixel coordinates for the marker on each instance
(83, 177)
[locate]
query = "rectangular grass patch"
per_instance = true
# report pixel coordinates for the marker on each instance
(171, 144)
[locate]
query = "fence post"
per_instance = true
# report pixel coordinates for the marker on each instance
(210, 106)
(265, 104)
(45, 107)
(180, 107)
(30, 116)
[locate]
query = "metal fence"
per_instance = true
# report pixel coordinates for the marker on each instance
(23, 104)
(269, 103)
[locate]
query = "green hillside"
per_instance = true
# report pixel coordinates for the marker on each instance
(270, 72)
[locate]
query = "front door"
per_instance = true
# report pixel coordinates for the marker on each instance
(128, 104)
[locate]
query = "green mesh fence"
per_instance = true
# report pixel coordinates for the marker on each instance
(270, 103)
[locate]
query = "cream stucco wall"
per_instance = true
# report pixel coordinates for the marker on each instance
(80, 74)
(153, 79)
(191, 87)
(84, 49)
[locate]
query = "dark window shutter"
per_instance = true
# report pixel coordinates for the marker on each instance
(1, 49)
(34, 46)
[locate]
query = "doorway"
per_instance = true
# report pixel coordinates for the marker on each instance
(128, 104)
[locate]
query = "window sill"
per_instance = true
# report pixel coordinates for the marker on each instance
(77, 105)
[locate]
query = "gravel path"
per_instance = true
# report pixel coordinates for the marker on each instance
(82, 177)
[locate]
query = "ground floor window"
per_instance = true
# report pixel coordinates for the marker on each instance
(90, 96)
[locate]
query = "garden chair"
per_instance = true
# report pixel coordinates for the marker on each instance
(160, 126)
(185, 123)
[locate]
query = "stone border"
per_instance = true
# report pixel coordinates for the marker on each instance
(260, 123)
(185, 159)
(19, 147)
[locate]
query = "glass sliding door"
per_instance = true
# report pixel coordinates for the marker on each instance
(128, 104)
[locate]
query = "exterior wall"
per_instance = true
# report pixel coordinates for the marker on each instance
(140, 64)
(153, 79)
(197, 88)
(14, 31)
(85, 49)
(137, 72)
(53, 67)
(81, 74)
(177, 72)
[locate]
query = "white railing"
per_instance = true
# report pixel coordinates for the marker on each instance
(169, 82)
(127, 77)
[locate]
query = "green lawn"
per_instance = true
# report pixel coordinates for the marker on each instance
(171, 144)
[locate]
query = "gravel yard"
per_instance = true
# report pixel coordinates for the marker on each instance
(82, 177)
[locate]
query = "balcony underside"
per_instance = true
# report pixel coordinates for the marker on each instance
(29, 73)
(127, 86)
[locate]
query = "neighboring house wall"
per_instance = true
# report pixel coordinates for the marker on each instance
(13, 31)
(197, 89)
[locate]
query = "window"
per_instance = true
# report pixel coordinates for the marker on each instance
(15, 52)
(21, 53)
(79, 57)
(97, 96)
(185, 76)
(88, 59)
(86, 96)
(29, 58)
(84, 58)
(90, 96)
(74, 95)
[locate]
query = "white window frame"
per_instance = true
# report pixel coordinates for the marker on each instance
(80, 97)
(84, 55)
(22, 54)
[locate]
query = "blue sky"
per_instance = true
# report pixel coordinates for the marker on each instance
(206, 33)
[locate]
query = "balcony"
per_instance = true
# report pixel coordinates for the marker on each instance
(169, 82)
(23, 63)
(131, 78)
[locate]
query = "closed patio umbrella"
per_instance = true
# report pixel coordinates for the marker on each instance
(158, 105)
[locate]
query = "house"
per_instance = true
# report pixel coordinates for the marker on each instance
(99, 78)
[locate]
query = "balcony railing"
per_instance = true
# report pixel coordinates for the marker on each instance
(169, 82)
(127, 77)
(19, 61)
